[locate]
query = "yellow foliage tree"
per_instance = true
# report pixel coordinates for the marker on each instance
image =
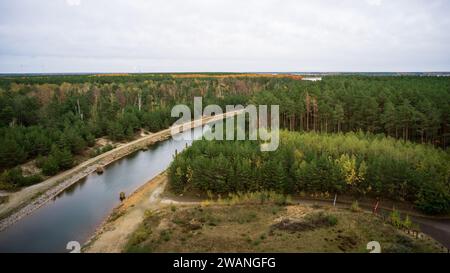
(352, 173)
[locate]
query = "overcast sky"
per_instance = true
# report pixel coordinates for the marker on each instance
(224, 35)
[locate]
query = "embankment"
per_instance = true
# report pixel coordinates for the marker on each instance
(27, 200)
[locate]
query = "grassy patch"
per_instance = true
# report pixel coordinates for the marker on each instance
(310, 222)
(268, 228)
(259, 197)
(355, 207)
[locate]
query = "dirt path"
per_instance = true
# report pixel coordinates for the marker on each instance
(437, 228)
(29, 199)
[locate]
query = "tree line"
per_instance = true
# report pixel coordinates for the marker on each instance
(54, 119)
(360, 164)
(408, 108)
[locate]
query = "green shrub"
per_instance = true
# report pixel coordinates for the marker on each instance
(433, 199)
(258, 197)
(395, 219)
(101, 150)
(355, 206)
(407, 223)
(14, 179)
(139, 236)
(58, 160)
(50, 166)
(332, 220)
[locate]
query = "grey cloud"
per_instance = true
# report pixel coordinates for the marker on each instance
(231, 35)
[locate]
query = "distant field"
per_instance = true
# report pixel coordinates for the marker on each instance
(111, 75)
(243, 75)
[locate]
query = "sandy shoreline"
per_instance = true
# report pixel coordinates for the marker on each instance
(112, 235)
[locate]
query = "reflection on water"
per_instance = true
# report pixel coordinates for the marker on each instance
(72, 189)
(75, 213)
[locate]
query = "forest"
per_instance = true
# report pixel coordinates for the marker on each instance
(54, 119)
(357, 164)
(408, 108)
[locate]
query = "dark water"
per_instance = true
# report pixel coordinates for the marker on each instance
(76, 213)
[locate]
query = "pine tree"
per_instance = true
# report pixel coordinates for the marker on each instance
(338, 116)
(389, 119)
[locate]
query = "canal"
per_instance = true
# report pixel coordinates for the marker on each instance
(75, 213)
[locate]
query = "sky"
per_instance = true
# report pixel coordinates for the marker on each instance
(64, 36)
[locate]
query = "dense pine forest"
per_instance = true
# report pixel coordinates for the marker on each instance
(409, 108)
(358, 164)
(55, 119)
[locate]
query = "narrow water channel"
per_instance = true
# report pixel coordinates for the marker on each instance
(75, 213)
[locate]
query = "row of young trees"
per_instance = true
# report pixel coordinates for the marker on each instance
(361, 164)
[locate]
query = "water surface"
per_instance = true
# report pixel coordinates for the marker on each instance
(75, 213)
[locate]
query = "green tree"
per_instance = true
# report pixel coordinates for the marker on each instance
(50, 166)
(338, 116)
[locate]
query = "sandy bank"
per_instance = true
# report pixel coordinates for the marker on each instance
(112, 236)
